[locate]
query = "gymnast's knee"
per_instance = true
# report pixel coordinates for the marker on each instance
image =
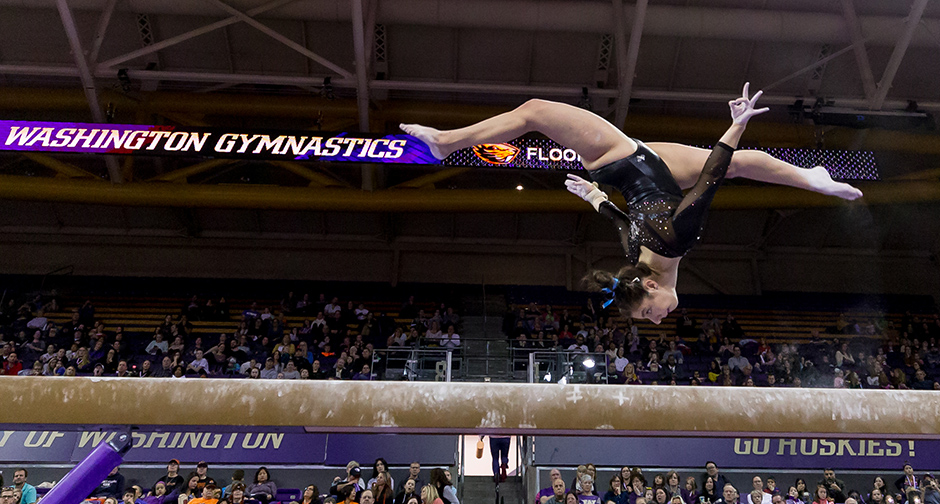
(745, 159)
(532, 109)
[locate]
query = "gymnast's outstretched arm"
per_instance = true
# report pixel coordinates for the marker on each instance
(691, 211)
(588, 191)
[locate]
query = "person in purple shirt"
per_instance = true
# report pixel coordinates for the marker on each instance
(587, 491)
(545, 494)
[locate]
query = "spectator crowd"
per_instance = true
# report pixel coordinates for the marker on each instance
(333, 341)
(848, 354)
(198, 487)
(632, 486)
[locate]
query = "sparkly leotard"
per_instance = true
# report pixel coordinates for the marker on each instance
(659, 217)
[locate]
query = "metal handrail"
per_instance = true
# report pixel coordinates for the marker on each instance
(568, 365)
(412, 357)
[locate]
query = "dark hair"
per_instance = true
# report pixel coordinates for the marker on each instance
(628, 294)
(438, 478)
(265, 469)
(375, 471)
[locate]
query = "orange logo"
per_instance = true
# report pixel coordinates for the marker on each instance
(498, 154)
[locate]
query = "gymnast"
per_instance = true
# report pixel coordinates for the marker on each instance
(662, 224)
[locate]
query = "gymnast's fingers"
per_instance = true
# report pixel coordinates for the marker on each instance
(747, 86)
(574, 177)
(761, 111)
(756, 96)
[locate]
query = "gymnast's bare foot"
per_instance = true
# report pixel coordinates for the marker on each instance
(430, 136)
(822, 182)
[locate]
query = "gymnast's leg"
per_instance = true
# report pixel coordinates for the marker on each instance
(594, 139)
(686, 163)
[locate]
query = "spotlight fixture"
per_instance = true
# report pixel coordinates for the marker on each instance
(588, 363)
(519, 187)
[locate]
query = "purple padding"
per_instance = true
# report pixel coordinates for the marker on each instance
(89, 473)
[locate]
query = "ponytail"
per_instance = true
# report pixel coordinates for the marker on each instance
(625, 289)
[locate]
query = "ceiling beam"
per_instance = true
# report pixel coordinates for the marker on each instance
(88, 82)
(858, 45)
(817, 63)
(547, 91)
(172, 41)
(103, 21)
(458, 200)
(627, 55)
(900, 48)
(263, 28)
(362, 78)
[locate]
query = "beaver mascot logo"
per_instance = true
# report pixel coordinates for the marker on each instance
(498, 154)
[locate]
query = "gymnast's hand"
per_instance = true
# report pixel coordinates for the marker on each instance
(578, 186)
(585, 190)
(742, 109)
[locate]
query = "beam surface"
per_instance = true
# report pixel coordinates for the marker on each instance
(472, 407)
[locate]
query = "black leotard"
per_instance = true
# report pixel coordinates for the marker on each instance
(660, 218)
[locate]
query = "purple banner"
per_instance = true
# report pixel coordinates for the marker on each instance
(209, 142)
(220, 445)
(731, 453)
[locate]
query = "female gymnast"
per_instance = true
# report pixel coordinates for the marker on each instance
(662, 224)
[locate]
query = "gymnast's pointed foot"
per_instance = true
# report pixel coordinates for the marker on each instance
(822, 182)
(430, 136)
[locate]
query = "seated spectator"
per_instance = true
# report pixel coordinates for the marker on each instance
(172, 480)
(11, 366)
(188, 491)
(238, 478)
(615, 491)
(556, 495)
(353, 479)
(238, 493)
(689, 492)
(382, 489)
(27, 491)
(364, 374)
(737, 362)
(263, 488)
(429, 495)
(157, 346)
(112, 486)
(210, 495)
(290, 371)
(202, 470)
(311, 495)
(450, 339)
(270, 370)
(130, 496)
(671, 371)
(408, 493)
(159, 495)
(587, 495)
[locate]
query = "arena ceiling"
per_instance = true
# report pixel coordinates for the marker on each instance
(663, 69)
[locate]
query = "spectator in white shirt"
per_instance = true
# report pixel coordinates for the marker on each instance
(199, 362)
(450, 339)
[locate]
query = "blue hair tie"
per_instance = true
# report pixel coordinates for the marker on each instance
(611, 295)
